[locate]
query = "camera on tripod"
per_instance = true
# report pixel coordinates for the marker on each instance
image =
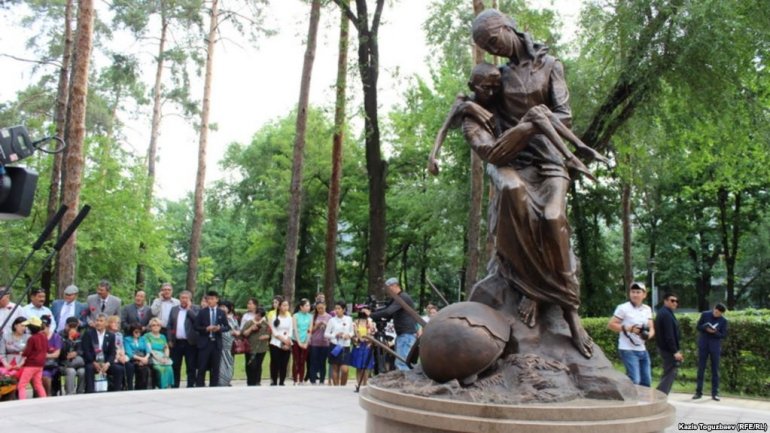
(18, 184)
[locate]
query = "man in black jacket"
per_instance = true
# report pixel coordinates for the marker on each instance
(712, 327)
(405, 324)
(210, 323)
(99, 355)
(667, 337)
(182, 338)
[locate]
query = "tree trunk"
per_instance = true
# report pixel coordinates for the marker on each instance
(77, 129)
(200, 179)
(330, 270)
(376, 167)
(477, 183)
(730, 237)
(152, 151)
(625, 202)
(62, 95)
(295, 200)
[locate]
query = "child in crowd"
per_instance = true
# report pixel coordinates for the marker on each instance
(33, 359)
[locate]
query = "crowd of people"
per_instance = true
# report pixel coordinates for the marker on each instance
(102, 345)
(634, 323)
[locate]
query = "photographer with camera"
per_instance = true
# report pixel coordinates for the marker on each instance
(405, 324)
(633, 322)
(667, 340)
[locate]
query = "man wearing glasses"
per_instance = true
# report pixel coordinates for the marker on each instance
(667, 338)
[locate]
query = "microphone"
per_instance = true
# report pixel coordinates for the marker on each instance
(38, 243)
(49, 227)
(72, 227)
(63, 238)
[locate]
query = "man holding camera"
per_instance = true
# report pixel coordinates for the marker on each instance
(633, 322)
(667, 340)
(405, 324)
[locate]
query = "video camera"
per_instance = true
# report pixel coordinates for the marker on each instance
(18, 184)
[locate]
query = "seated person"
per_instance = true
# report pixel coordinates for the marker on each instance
(113, 326)
(71, 358)
(157, 347)
(136, 351)
(51, 374)
(99, 352)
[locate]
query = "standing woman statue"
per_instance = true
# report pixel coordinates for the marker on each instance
(518, 135)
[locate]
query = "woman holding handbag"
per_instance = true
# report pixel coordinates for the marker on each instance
(157, 347)
(339, 331)
(258, 333)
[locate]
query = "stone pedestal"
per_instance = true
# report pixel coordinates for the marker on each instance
(391, 411)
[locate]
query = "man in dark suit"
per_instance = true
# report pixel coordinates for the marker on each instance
(63, 309)
(210, 323)
(712, 329)
(138, 312)
(99, 355)
(182, 338)
(667, 337)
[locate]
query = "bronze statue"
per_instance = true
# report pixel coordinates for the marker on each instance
(515, 121)
(480, 350)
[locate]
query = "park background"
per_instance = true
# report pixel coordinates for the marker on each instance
(674, 92)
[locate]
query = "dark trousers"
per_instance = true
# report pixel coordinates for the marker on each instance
(183, 350)
(254, 368)
(708, 348)
(279, 362)
(116, 373)
(318, 355)
(129, 368)
(141, 375)
(670, 368)
(208, 359)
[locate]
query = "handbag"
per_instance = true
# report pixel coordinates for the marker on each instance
(336, 350)
(240, 345)
(100, 383)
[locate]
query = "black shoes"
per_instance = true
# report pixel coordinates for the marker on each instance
(716, 398)
(697, 396)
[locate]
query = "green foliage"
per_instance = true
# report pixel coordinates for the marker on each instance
(744, 368)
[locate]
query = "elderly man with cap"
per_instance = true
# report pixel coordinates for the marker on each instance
(405, 324)
(633, 322)
(63, 309)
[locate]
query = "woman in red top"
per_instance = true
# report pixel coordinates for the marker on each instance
(33, 359)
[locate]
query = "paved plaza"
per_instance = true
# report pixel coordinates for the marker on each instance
(268, 409)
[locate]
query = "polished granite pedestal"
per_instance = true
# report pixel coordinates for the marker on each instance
(390, 411)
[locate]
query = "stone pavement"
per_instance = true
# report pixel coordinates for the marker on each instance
(270, 409)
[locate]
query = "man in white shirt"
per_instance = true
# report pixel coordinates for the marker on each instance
(36, 308)
(162, 305)
(7, 308)
(633, 322)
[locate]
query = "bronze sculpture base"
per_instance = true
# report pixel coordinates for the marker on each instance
(392, 411)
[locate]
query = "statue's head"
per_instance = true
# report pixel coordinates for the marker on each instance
(485, 82)
(494, 32)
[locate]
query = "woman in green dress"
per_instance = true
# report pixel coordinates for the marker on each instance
(157, 346)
